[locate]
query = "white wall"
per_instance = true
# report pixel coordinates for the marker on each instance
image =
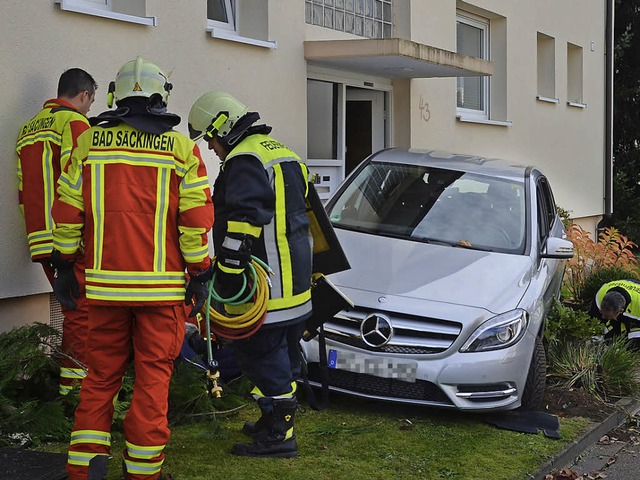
(40, 41)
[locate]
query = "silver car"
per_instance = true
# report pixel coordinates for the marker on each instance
(455, 262)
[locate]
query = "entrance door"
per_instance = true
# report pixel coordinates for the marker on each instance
(364, 125)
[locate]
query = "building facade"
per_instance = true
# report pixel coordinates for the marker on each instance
(337, 80)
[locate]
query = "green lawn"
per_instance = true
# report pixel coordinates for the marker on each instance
(355, 439)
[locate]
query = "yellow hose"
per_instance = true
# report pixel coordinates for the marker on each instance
(240, 326)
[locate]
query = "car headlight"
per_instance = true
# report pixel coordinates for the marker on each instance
(499, 332)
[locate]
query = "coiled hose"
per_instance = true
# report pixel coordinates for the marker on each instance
(243, 325)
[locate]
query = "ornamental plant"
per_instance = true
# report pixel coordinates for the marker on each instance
(611, 250)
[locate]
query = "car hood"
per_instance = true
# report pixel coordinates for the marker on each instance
(435, 273)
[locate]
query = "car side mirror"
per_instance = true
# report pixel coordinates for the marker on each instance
(557, 248)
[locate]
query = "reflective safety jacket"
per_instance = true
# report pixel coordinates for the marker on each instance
(261, 192)
(143, 203)
(629, 321)
(43, 148)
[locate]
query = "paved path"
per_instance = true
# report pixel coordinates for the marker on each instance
(593, 457)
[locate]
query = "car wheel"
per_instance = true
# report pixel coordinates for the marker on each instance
(536, 379)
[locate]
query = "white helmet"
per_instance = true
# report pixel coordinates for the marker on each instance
(139, 78)
(214, 113)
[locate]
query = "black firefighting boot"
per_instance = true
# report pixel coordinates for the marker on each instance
(276, 438)
(98, 467)
(254, 428)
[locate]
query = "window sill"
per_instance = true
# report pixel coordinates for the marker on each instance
(233, 37)
(577, 104)
(547, 99)
(79, 6)
(499, 123)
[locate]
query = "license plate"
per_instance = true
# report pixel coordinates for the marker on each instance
(382, 367)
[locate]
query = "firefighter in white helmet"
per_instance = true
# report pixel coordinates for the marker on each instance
(259, 197)
(138, 192)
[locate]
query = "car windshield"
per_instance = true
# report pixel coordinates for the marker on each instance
(434, 205)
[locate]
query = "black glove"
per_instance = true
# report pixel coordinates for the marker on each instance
(65, 285)
(231, 264)
(197, 288)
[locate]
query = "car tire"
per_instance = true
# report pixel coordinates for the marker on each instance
(533, 394)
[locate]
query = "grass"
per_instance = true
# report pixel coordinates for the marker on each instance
(355, 439)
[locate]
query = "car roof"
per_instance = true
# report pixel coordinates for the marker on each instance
(494, 167)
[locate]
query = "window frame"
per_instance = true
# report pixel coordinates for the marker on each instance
(104, 10)
(231, 25)
(484, 25)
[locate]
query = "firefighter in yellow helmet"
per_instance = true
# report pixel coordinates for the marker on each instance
(259, 197)
(138, 192)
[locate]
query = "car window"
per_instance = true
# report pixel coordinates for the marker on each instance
(431, 204)
(546, 209)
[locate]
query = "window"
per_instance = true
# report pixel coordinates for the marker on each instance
(365, 18)
(574, 76)
(546, 48)
(322, 122)
(472, 93)
(222, 13)
(132, 11)
(246, 21)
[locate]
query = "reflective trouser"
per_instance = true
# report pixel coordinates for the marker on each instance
(156, 335)
(74, 333)
(271, 359)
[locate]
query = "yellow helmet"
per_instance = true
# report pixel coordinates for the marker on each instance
(214, 113)
(139, 78)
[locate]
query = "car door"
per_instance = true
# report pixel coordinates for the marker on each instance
(549, 224)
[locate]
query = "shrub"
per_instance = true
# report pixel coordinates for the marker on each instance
(564, 324)
(606, 369)
(611, 250)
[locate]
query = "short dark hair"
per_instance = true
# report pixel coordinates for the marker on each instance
(613, 302)
(74, 81)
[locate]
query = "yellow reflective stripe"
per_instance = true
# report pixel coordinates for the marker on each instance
(234, 271)
(144, 452)
(136, 295)
(81, 458)
(66, 245)
(43, 136)
(40, 235)
(288, 302)
(160, 227)
(243, 228)
(48, 181)
(281, 233)
(143, 468)
(96, 437)
(145, 159)
(97, 209)
(115, 276)
(40, 248)
(191, 244)
(72, 373)
(64, 389)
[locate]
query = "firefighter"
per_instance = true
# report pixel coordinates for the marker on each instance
(139, 192)
(617, 305)
(259, 196)
(43, 148)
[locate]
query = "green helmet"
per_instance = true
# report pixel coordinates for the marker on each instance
(139, 78)
(214, 113)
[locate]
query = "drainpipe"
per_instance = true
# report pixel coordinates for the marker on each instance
(608, 123)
